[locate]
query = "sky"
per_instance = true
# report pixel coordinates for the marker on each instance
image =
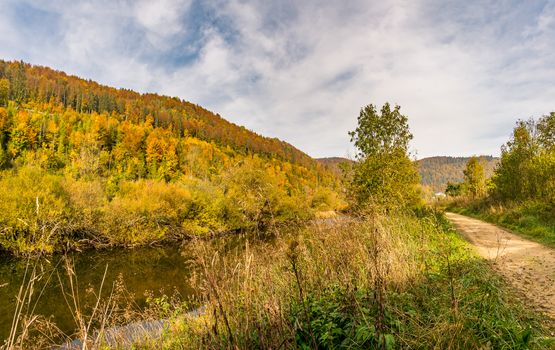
(462, 71)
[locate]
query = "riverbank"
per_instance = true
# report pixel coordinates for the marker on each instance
(130, 278)
(396, 280)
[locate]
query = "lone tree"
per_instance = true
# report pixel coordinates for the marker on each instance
(474, 177)
(384, 174)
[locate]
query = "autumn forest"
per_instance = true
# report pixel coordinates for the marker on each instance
(85, 164)
(143, 221)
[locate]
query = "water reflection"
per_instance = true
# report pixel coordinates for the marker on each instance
(161, 270)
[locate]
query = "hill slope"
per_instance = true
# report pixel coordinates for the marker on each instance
(28, 83)
(82, 162)
(435, 172)
(334, 163)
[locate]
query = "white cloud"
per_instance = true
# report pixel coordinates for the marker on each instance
(161, 19)
(462, 72)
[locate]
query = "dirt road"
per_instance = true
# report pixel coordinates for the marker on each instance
(527, 266)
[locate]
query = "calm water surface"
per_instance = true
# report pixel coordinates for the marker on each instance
(160, 270)
(157, 271)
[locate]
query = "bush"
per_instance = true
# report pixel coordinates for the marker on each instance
(259, 197)
(35, 210)
(43, 211)
(148, 210)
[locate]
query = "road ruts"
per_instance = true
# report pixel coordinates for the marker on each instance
(526, 265)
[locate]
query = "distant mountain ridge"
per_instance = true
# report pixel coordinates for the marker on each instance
(435, 172)
(333, 163)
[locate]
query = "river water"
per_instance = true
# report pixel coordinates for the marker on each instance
(159, 270)
(156, 271)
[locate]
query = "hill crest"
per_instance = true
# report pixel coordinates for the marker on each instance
(42, 84)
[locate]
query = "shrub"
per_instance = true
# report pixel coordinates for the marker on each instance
(35, 210)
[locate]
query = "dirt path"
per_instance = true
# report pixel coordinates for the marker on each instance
(528, 266)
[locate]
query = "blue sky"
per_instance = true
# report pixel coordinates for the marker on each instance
(462, 71)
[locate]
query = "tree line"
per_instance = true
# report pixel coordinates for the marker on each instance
(525, 171)
(437, 172)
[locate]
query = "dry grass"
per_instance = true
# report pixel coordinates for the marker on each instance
(96, 326)
(378, 281)
(382, 282)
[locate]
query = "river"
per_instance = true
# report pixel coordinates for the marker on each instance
(159, 270)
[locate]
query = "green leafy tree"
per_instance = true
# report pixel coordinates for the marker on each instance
(381, 133)
(546, 132)
(384, 173)
(527, 166)
(474, 177)
(542, 165)
(514, 178)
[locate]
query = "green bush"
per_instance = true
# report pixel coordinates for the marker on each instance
(342, 319)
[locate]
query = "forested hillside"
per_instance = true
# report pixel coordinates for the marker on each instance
(335, 163)
(436, 172)
(47, 88)
(82, 162)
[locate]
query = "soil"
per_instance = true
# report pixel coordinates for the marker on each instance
(526, 265)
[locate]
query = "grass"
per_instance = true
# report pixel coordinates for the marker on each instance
(396, 281)
(383, 282)
(531, 219)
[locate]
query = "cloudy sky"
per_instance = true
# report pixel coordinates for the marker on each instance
(462, 71)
